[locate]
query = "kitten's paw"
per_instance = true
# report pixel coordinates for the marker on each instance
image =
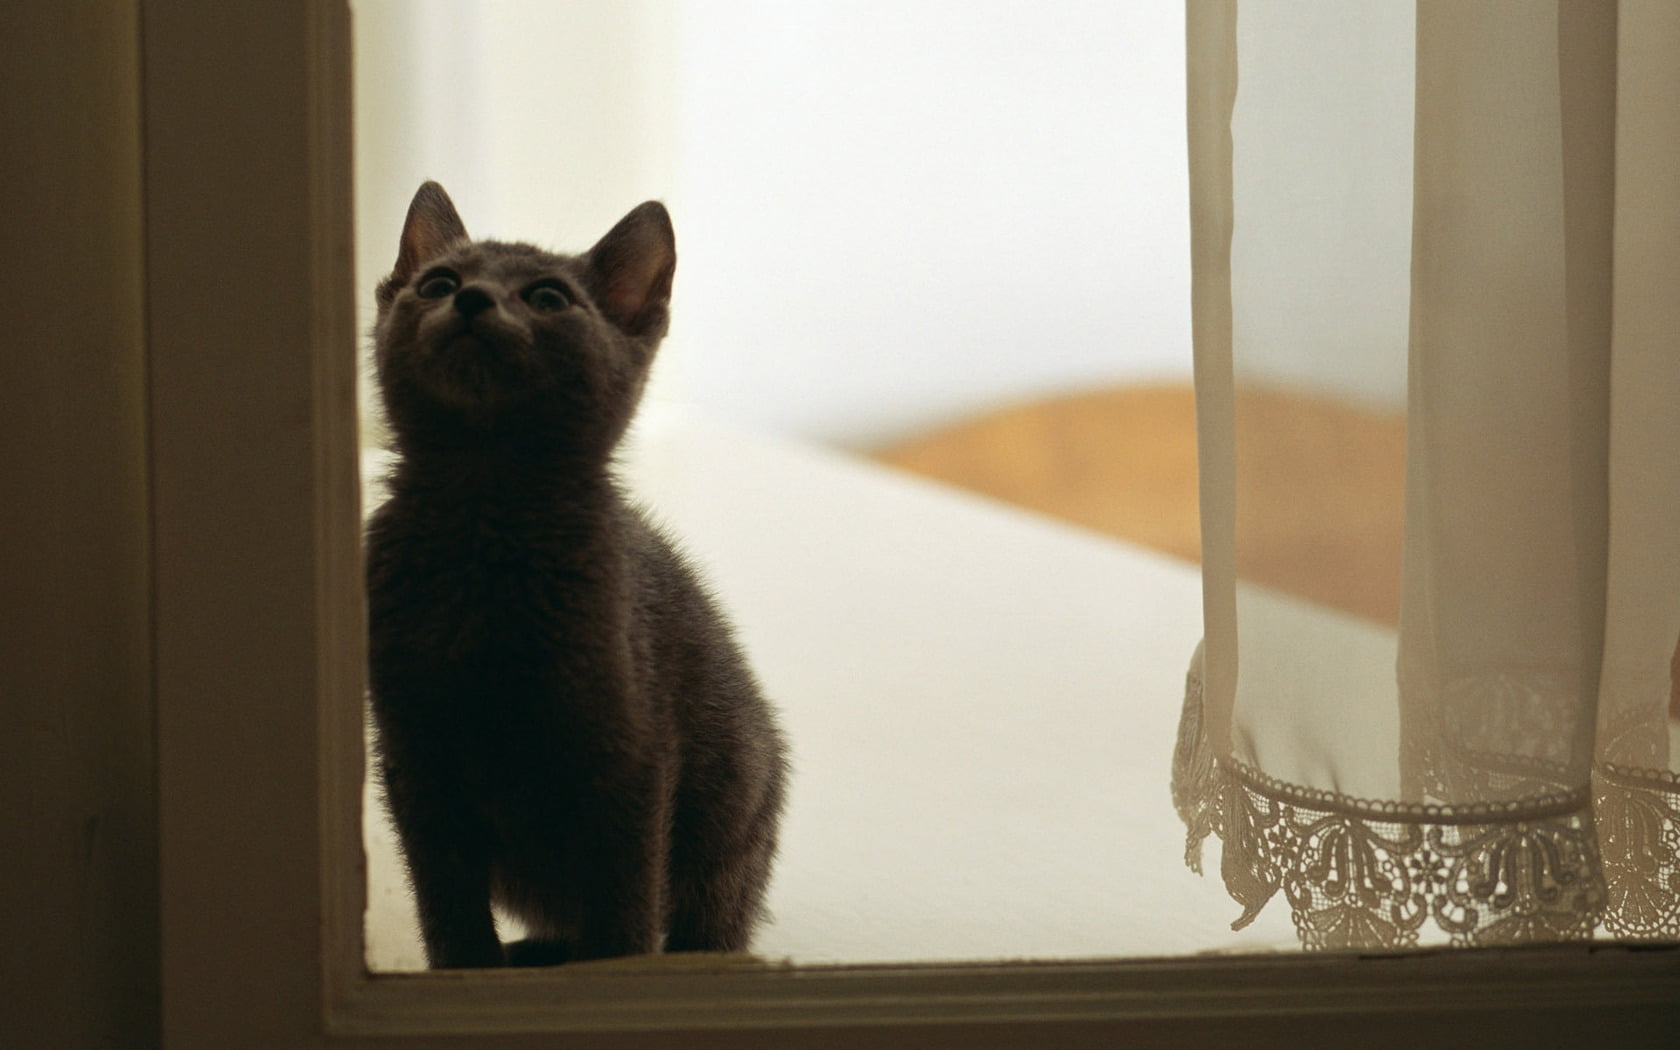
(534, 952)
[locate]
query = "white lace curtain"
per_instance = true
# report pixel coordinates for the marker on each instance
(1486, 197)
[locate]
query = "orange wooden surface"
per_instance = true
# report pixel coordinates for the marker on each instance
(1320, 483)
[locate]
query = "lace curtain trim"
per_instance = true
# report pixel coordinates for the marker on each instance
(1639, 836)
(1365, 874)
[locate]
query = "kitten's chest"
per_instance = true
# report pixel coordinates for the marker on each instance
(470, 586)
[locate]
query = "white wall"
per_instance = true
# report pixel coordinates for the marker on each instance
(898, 212)
(890, 214)
(545, 121)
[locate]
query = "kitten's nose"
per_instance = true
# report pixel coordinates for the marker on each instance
(472, 301)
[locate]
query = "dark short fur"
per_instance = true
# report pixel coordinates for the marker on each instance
(565, 724)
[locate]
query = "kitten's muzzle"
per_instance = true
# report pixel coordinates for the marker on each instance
(472, 301)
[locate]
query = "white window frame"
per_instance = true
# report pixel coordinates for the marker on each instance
(258, 623)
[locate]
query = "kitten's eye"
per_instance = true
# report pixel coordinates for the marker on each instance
(547, 298)
(439, 285)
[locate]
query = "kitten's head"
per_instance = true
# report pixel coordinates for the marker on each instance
(485, 337)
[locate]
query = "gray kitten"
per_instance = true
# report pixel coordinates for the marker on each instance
(566, 726)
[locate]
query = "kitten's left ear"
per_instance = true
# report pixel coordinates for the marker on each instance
(632, 267)
(431, 227)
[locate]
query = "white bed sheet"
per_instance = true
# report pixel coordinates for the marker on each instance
(981, 703)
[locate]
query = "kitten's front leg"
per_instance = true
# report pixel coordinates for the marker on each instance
(624, 913)
(455, 920)
(448, 863)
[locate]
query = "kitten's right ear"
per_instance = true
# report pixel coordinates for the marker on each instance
(432, 226)
(632, 267)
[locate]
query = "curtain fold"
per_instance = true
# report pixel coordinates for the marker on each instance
(1469, 212)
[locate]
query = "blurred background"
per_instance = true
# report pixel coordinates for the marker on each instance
(890, 215)
(953, 235)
